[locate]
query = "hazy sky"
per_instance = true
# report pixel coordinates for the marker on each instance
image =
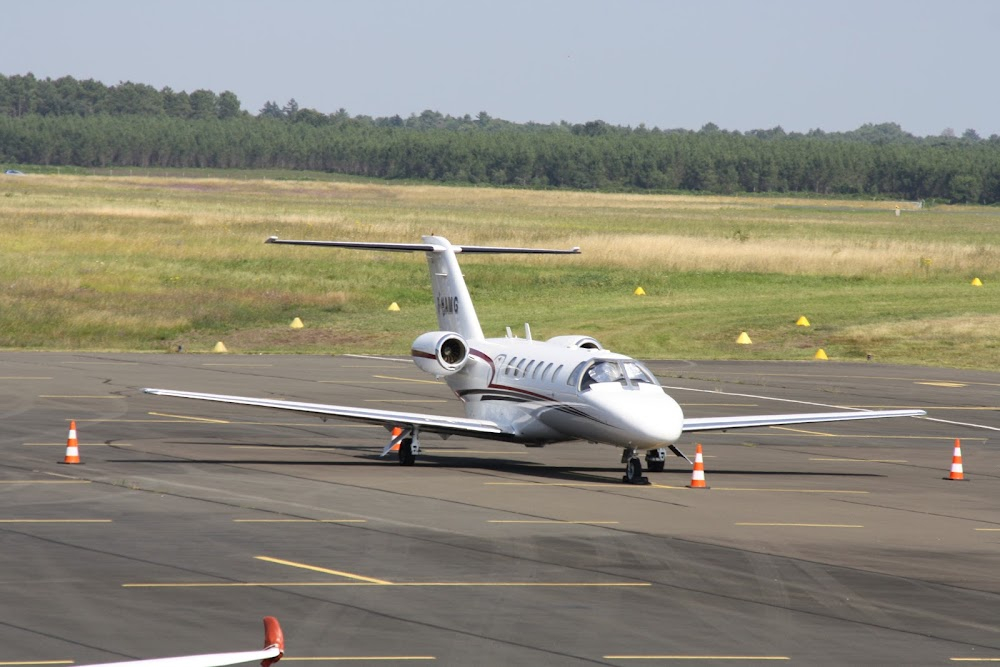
(802, 64)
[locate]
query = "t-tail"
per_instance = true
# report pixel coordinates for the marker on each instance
(455, 311)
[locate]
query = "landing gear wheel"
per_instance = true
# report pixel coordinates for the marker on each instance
(633, 472)
(655, 466)
(406, 455)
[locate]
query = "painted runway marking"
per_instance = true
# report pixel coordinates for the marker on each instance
(39, 662)
(242, 365)
(988, 530)
(391, 377)
(78, 396)
(697, 657)
(300, 520)
(862, 460)
(357, 658)
(404, 584)
(622, 486)
(942, 384)
(82, 444)
(406, 400)
(594, 523)
(799, 430)
(324, 570)
(55, 520)
(188, 418)
(378, 358)
(360, 580)
(44, 481)
(22, 377)
(801, 525)
(103, 363)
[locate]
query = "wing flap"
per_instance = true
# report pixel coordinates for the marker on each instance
(389, 418)
(752, 421)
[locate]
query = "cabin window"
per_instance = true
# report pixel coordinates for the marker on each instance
(527, 369)
(517, 371)
(545, 373)
(555, 373)
(508, 369)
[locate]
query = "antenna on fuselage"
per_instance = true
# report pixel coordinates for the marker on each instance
(527, 331)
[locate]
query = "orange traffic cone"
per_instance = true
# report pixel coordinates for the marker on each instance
(956, 464)
(698, 473)
(72, 447)
(395, 434)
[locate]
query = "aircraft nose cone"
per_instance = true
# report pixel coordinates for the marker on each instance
(645, 419)
(657, 419)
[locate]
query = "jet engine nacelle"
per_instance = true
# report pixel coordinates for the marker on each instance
(440, 353)
(573, 340)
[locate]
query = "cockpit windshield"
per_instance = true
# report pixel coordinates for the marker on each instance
(627, 373)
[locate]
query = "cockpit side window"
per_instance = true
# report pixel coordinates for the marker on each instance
(637, 373)
(574, 377)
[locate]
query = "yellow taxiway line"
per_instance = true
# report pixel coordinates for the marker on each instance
(358, 658)
(697, 657)
(324, 570)
(300, 520)
(802, 525)
(549, 521)
(360, 580)
(55, 520)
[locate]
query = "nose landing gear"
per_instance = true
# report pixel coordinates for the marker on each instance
(633, 468)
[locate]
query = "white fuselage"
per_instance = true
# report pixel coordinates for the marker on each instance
(546, 392)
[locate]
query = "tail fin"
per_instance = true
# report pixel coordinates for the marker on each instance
(455, 311)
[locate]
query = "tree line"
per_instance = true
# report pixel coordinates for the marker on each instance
(88, 124)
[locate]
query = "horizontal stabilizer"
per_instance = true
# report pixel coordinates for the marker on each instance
(425, 247)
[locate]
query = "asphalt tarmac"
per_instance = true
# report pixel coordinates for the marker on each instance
(827, 544)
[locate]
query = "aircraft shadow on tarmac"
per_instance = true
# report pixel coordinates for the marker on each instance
(366, 457)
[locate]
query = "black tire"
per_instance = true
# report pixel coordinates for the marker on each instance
(406, 455)
(655, 466)
(633, 471)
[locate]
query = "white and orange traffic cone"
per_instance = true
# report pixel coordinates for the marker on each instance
(72, 447)
(957, 473)
(698, 473)
(396, 431)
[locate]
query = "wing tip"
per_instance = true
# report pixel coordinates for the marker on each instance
(273, 638)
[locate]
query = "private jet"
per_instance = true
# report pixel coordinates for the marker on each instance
(526, 391)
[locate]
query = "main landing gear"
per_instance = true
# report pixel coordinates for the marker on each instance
(406, 444)
(409, 447)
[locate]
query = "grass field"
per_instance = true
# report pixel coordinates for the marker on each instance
(150, 263)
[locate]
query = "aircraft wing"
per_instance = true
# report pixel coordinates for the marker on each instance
(388, 418)
(274, 647)
(750, 421)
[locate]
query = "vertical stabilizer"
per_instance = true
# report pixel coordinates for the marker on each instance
(455, 311)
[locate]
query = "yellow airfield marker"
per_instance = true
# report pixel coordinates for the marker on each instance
(820, 355)
(639, 291)
(976, 282)
(393, 307)
(220, 348)
(296, 324)
(802, 322)
(744, 339)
